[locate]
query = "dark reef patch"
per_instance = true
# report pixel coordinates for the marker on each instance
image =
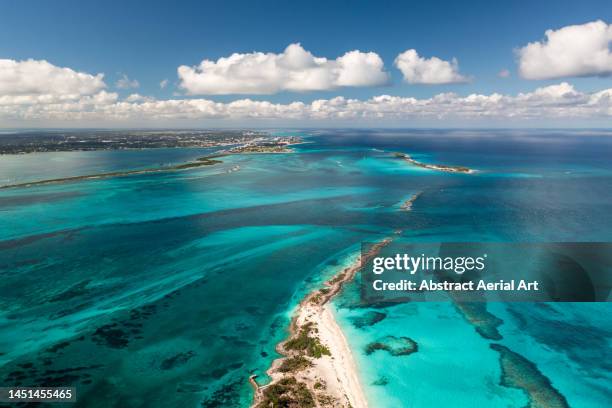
(177, 360)
(29, 374)
(368, 319)
(381, 381)
(333, 262)
(58, 346)
(121, 332)
(111, 335)
(585, 345)
(226, 396)
(396, 346)
(484, 322)
(520, 373)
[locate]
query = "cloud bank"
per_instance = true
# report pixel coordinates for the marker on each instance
(576, 50)
(430, 71)
(39, 92)
(560, 101)
(295, 69)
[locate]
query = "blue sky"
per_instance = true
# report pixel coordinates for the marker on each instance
(149, 40)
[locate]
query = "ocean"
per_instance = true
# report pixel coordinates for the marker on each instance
(171, 289)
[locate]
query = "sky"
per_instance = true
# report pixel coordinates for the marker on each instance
(316, 63)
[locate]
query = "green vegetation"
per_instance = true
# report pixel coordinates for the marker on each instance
(339, 277)
(287, 393)
(307, 343)
(326, 400)
(293, 364)
(202, 161)
(316, 299)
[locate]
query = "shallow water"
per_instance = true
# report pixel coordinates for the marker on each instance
(170, 289)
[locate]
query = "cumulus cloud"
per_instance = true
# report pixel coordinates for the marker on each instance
(39, 78)
(126, 83)
(163, 84)
(576, 50)
(561, 101)
(431, 71)
(295, 69)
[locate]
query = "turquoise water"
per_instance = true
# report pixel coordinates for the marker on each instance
(170, 289)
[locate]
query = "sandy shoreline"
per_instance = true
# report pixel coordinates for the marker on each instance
(342, 364)
(327, 379)
(337, 372)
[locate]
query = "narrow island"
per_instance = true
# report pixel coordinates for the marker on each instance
(317, 367)
(274, 145)
(438, 167)
(199, 162)
(407, 205)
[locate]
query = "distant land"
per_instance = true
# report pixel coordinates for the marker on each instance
(22, 142)
(244, 142)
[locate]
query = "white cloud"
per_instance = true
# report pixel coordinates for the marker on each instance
(163, 84)
(556, 102)
(126, 83)
(138, 98)
(431, 71)
(504, 73)
(295, 69)
(576, 50)
(32, 91)
(39, 78)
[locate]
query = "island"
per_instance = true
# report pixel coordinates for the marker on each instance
(438, 167)
(202, 161)
(271, 145)
(407, 205)
(317, 367)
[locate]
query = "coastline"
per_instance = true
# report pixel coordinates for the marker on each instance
(199, 162)
(437, 167)
(329, 376)
(276, 147)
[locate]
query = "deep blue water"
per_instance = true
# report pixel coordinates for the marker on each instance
(170, 289)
